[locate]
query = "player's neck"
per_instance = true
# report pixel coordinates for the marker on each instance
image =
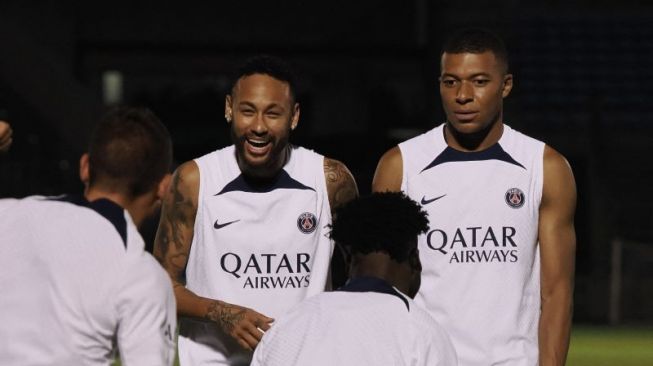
(477, 141)
(380, 265)
(137, 207)
(264, 175)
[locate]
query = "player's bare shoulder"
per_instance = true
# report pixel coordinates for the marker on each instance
(341, 185)
(186, 180)
(389, 172)
(559, 180)
(554, 160)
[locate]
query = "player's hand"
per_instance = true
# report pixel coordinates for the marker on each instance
(5, 136)
(245, 325)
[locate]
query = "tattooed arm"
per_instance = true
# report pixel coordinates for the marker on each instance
(5, 136)
(172, 246)
(341, 188)
(341, 185)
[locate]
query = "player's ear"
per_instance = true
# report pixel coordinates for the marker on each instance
(228, 112)
(507, 85)
(164, 185)
(295, 117)
(413, 260)
(84, 174)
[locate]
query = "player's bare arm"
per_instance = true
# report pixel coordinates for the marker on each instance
(557, 249)
(341, 185)
(5, 136)
(341, 188)
(389, 172)
(172, 247)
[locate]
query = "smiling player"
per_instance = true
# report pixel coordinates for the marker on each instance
(245, 225)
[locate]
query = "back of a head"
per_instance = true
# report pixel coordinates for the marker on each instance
(381, 222)
(268, 65)
(476, 40)
(130, 152)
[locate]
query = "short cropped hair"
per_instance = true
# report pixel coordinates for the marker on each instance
(476, 40)
(381, 222)
(130, 151)
(267, 65)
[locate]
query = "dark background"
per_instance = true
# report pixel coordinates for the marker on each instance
(368, 80)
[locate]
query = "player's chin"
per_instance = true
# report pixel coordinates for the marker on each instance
(259, 165)
(466, 127)
(257, 161)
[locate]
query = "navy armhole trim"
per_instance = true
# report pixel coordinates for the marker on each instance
(106, 208)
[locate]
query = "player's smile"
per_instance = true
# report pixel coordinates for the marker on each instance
(258, 147)
(260, 152)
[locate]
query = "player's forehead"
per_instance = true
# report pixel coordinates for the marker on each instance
(261, 89)
(470, 63)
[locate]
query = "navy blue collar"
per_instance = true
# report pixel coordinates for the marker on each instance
(494, 152)
(106, 208)
(372, 284)
(283, 180)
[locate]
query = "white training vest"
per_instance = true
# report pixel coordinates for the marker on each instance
(263, 248)
(481, 262)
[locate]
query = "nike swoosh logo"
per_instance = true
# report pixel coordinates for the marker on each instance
(216, 225)
(426, 202)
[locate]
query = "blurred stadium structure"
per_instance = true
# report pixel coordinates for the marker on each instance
(631, 275)
(368, 74)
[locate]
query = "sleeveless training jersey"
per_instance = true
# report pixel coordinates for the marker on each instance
(481, 263)
(264, 248)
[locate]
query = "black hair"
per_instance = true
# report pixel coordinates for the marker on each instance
(381, 222)
(129, 152)
(267, 65)
(476, 40)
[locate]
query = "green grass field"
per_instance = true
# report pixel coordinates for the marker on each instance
(607, 346)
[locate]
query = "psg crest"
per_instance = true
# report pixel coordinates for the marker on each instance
(515, 198)
(306, 222)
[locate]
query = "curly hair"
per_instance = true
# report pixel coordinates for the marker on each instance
(267, 65)
(381, 222)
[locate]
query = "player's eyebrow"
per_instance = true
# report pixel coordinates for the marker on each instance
(265, 108)
(480, 74)
(474, 75)
(274, 105)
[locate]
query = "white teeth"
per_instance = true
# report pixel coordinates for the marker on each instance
(256, 143)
